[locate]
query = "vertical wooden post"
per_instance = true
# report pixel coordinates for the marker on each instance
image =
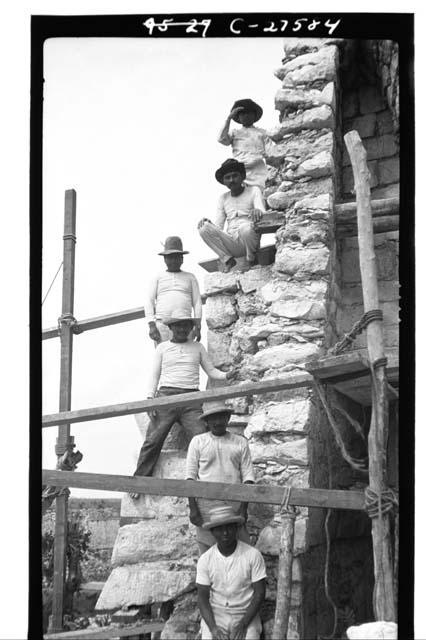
(384, 603)
(285, 566)
(64, 440)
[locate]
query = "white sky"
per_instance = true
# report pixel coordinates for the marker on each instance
(132, 126)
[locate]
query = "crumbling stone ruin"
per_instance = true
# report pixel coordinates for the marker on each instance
(271, 320)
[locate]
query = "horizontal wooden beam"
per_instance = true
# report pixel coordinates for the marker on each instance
(346, 211)
(261, 493)
(289, 381)
(99, 321)
(383, 224)
(107, 632)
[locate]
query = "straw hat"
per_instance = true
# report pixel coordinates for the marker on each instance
(177, 315)
(222, 515)
(214, 406)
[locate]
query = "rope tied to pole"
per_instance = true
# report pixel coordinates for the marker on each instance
(68, 320)
(357, 329)
(378, 504)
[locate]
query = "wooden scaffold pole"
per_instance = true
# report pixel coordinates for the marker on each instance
(383, 597)
(64, 442)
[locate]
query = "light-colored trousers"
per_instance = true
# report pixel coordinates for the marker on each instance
(227, 621)
(243, 242)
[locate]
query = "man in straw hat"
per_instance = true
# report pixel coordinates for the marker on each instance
(176, 369)
(249, 143)
(172, 289)
(241, 207)
(230, 582)
(217, 456)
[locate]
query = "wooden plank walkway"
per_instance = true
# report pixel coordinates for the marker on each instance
(102, 633)
(262, 493)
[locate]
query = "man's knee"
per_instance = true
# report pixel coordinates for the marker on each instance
(246, 230)
(207, 229)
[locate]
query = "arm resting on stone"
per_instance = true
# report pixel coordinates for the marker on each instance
(208, 367)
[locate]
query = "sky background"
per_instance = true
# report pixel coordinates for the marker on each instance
(132, 126)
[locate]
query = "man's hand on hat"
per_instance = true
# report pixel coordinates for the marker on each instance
(236, 111)
(154, 334)
(231, 374)
(203, 222)
(256, 215)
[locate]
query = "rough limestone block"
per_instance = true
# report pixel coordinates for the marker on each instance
(153, 541)
(292, 99)
(306, 309)
(218, 348)
(388, 170)
(317, 167)
(376, 148)
(281, 355)
(325, 55)
(294, 452)
(372, 630)
(281, 200)
(250, 305)
(388, 291)
(311, 74)
(384, 122)
(217, 281)
(171, 464)
(350, 104)
(301, 261)
(299, 147)
(300, 46)
(309, 290)
(269, 538)
(370, 100)
(316, 118)
(386, 261)
(285, 416)
(320, 204)
(254, 279)
(304, 230)
(136, 585)
(220, 311)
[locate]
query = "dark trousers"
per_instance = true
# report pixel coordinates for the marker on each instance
(188, 417)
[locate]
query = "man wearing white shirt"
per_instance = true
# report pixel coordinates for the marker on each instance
(241, 208)
(217, 456)
(230, 582)
(176, 369)
(170, 290)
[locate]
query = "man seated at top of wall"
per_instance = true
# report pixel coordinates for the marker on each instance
(217, 456)
(172, 289)
(241, 207)
(230, 582)
(176, 370)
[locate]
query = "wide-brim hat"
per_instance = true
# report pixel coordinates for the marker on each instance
(215, 406)
(222, 515)
(173, 244)
(229, 166)
(248, 105)
(178, 316)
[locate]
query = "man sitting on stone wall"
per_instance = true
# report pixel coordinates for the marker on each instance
(172, 289)
(176, 369)
(241, 208)
(230, 582)
(217, 456)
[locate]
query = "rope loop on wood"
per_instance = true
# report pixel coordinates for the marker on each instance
(378, 504)
(286, 509)
(359, 326)
(380, 362)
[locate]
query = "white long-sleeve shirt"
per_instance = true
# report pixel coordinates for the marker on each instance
(249, 146)
(177, 364)
(236, 210)
(173, 290)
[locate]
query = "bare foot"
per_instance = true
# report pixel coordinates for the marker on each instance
(229, 264)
